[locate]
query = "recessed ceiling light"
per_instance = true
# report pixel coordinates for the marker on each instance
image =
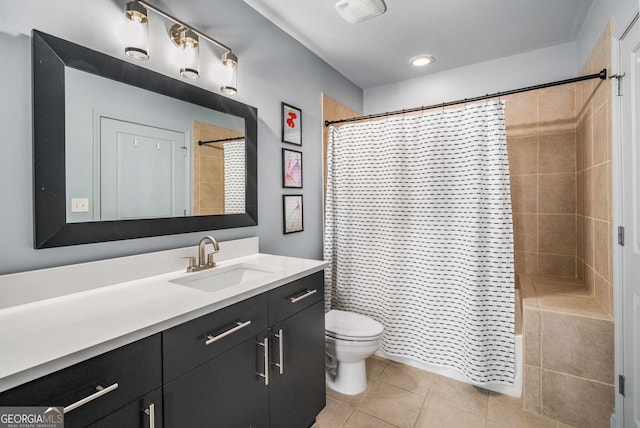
(421, 60)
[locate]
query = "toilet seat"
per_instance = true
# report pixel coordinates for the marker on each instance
(351, 327)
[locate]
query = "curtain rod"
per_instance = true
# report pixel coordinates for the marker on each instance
(602, 75)
(221, 140)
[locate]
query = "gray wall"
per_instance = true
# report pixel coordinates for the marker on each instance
(600, 13)
(273, 68)
(502, 74)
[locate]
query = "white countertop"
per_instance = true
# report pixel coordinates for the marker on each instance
(43, 336)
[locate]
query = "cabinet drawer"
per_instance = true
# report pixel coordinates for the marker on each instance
(193, 343)
(291, 298)
(135, 369)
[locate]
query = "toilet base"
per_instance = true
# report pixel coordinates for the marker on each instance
(351, 378)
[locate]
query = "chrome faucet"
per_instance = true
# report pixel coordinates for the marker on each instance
(203, 263)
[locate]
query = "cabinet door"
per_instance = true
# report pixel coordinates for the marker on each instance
(145, 412)
(226, 391)
(297, 369)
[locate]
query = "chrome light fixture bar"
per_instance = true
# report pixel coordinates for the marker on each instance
(184, 36)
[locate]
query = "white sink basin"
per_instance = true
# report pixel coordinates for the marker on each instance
(219, 278)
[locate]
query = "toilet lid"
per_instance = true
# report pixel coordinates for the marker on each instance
(351, 325)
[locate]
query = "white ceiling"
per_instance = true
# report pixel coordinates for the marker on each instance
(456, 32)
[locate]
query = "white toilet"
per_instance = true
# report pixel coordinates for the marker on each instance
(349, 339)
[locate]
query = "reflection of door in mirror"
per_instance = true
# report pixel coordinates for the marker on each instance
(218, 170)
(142, 171)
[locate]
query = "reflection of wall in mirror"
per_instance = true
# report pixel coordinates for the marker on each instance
(218, 171)
(89, 98)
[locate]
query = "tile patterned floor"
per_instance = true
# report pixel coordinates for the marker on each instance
(399, 396)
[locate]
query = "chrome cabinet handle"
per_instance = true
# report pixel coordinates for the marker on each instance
(101, 391)
(265, 375)
(151, 412)
(280, 363)
(304, 296)
(239, 326)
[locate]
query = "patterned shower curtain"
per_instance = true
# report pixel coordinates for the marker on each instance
(419, 236)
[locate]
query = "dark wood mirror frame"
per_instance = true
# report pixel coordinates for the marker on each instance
(50, 56)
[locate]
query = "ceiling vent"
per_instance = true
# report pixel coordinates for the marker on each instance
(355, 11)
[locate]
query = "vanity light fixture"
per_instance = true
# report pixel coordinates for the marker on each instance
(422, 60)
(136, 31)
(230, 62)
(187, 41)
(184, 36)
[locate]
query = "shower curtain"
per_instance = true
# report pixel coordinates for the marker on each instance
(418, 233)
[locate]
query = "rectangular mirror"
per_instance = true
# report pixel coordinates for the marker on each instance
(122, 152)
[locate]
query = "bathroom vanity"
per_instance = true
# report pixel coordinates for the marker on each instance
(172, 350)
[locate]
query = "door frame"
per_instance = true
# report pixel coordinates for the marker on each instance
(617, 418)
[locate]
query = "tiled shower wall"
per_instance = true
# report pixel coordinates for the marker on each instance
(594, 177)
(541, 138)
(559, 142)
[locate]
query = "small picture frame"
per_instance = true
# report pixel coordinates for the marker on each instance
(291, 169)
(291, 124)
(292, 213)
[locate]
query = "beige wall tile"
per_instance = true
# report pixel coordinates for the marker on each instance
(557, 265)
(557, 153)
(602, 134)
(587, 97)
(525, 262)
(587, 143)
(580, 147)
(521, 115)
(580, 269)
(524, 193)
(577, 345)
(580, 237)
(557, 109)
(588, 241)
(580, 193)
(525, 232)
(557, 234)
(601, 250)
(557, 193)
(589, 281)
(576, 401)
(602, 293)
(601, 193)
(587, 198)
(531, 336)
(523, 154)
(531, 389)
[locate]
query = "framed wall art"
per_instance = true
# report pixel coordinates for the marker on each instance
(291, 169)
(292, 213)
(291, 124)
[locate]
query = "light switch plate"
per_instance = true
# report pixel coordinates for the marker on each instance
(79, 205)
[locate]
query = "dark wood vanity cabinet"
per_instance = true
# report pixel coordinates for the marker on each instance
(257, 363)
(223, 392)
(297, 382)
(274, 378)
(100, 386)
